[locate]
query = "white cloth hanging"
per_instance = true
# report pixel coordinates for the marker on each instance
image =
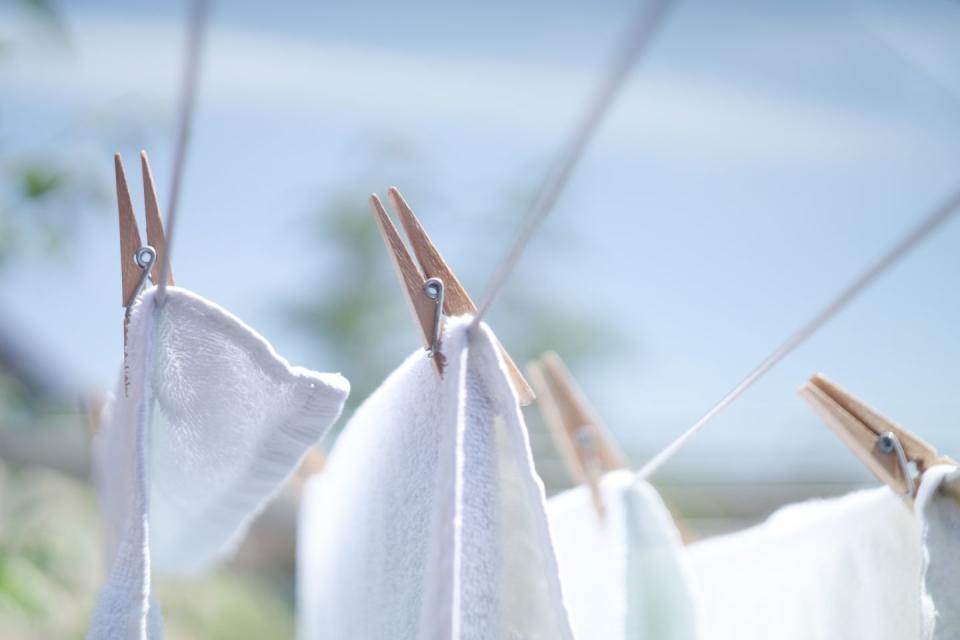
(938, 514)
(848, 567)
(428, 520)
(624, 577)
(207, 423)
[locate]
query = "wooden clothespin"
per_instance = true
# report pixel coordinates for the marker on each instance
(431, 289)
(138, 261)
(891, 452)
(131, 269)
(585, 444)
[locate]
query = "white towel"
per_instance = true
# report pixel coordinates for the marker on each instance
(428, 521)
(624, 577)
(849, 567)
(207, 423)
(938, 513)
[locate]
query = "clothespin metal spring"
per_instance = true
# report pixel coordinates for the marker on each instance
(889, 444)
(145, 258)
(433, 289)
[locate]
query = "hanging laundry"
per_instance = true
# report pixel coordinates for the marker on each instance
(428, 521)
(207, 423)
(848, 567)
(625, 576)
(938, 513)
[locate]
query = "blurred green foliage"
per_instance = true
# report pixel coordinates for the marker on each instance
(355, 316)
(41, 191)
(47, 554)
(50, 571)
(40, 202)
(37, 181)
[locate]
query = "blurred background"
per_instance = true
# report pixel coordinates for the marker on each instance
(762, 155)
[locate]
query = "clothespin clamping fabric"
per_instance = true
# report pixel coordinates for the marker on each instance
(585, 444)
(431, 289)
(893, 454)
(139, 261)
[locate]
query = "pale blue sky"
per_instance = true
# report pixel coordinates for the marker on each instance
(763, 154)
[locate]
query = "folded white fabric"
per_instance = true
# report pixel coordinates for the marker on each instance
(428, 521)
(849, 567)
(207, 423)
(624, 577)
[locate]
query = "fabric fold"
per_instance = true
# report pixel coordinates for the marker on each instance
(626, 576)
(206, 425)
(428, 521)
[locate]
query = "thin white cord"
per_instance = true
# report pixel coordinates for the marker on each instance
(638, 38)
(199, 13)
(940, 215)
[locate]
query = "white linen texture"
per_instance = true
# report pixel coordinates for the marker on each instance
(428, 521)
(858, 566)
(624, 577)
(206, 425)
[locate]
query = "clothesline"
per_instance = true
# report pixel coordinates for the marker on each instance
(197, 29)
(908, 242)
(644, 27)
